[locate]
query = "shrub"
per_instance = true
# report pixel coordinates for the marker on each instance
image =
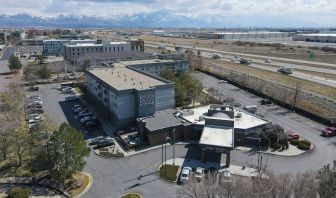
(19, 192)
(276, 146)
(294, 142)
(306, 142)
(303, 146)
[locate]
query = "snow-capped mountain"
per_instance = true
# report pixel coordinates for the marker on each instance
(156, 19)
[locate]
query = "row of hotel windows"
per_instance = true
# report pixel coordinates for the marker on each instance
(96, 50)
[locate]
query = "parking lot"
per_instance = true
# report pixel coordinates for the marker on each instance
(58, 110)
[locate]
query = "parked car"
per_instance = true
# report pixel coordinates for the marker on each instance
(293, 135)
(236, 56)
(329, 132)
(71, 98)
(186, 171)
(199, 173)
(85, 114)
(86, 119)
(226, 176)
(77, 106)
(96, 140)
(91, 125)
(79, 109)
(35, 97)
(265, 102)
(222, 81)
(35, 102)
(250, 108)
(268, 61)
(35, 111)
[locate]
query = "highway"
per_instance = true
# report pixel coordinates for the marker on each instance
(274, 66)
(293, 61)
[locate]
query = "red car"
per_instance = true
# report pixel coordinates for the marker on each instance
(293, 135)
(329, 132)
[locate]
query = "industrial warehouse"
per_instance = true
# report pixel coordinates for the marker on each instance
(322, 38)
(242, 35)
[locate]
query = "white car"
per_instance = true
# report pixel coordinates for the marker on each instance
(199, 173)
(185, 174)
(222, 81)
(268, 61)
(226, 176)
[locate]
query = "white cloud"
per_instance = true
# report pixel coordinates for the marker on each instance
(307, 10)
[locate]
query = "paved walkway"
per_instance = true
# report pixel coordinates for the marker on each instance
(235, 170)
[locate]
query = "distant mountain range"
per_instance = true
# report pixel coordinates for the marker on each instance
(150, 20)
(156, 19)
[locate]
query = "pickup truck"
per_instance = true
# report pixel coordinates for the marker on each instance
(286, 70)
(329, 132)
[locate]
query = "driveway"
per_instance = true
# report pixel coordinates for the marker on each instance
(323, 153)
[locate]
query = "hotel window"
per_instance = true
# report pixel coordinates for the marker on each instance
(118, 49)
(122, 48)
(114, 49)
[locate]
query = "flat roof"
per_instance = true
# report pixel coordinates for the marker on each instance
(122, 78)
(214, 135)
(145, 61)
(244, 33)
(162, 119)
(333, 35)
(118, 43)
(246, 120)
(85, 45)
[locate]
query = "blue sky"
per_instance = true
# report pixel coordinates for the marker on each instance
(254, 12)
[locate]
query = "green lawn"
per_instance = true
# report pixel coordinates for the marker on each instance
(169, 172)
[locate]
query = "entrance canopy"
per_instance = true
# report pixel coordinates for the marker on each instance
(217, 136)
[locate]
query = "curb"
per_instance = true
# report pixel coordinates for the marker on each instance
(134, 193)
(87, 187)
(312, 147)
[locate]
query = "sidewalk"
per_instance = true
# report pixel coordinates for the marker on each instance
(234, 169)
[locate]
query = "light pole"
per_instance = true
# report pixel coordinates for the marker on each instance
(174, 146)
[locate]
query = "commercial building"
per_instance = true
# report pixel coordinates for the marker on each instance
(128, 93)
(53, 47)
(242, 35)
(215, 127)
(157, 66)
(323, 38)
(99, 52)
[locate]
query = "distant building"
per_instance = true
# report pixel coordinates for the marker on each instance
(53, 47)
(322, 38)
(98, 52)
(241, 35)
(137, 45)
(157, 66)
(128, 93)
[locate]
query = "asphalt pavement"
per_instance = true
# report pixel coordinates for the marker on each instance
(8, 53)
(116, 176)
(323, 153)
